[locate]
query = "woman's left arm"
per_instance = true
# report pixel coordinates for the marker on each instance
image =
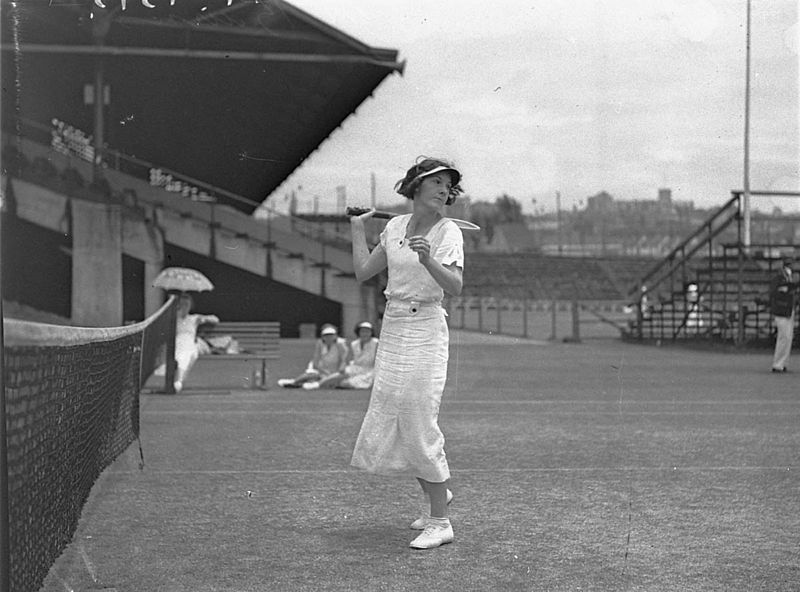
(344, 357)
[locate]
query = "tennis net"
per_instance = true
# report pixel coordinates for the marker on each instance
(72, 406)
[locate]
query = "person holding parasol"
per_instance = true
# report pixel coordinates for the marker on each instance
(187, 345)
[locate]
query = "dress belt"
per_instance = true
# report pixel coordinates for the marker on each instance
(413, 306)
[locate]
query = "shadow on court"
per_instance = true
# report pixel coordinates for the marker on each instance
(591, 466)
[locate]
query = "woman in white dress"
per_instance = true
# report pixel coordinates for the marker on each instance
(360, 370)
(424, 254)
(326, 367)
(187, 348)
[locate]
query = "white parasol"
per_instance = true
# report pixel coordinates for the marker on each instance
(183, 279)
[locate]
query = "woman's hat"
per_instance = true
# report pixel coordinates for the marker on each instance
(454, 174)
(329, 330)
(365, 325)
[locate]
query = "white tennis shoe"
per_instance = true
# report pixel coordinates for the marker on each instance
(434, 535)
(421, 522)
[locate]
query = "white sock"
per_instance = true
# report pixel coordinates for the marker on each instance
(440, 522)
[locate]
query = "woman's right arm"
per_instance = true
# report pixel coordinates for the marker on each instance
(366, 264)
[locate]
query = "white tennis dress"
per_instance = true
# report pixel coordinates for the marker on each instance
(400, 432)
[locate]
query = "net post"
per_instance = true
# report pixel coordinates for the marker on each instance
(5, 548)
(170, 364)
(576, 321)
(5, 545)
(525, 317)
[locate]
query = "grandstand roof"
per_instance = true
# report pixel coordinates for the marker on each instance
(236, 93)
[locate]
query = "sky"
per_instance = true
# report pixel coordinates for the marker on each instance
(539, 98)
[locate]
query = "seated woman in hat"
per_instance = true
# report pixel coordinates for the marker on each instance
(360, 369)
(327, 366)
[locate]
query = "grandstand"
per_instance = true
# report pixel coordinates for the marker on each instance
(83, 143)
(282, 267)
(548, 277)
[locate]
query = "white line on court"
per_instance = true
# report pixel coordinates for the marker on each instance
(452, 413)
(446, 401)
(462, 471)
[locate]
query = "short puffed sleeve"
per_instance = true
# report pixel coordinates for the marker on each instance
(449, 246)
(390, 230)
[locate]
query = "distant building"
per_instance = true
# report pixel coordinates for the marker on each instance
(646, 227)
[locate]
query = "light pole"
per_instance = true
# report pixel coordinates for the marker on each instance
(101, 23)
(558, 221)
(746, 183)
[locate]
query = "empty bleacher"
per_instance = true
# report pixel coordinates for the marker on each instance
(545, 277)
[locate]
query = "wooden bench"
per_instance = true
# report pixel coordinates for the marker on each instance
(258, 340)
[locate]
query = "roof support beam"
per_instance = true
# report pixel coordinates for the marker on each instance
(149, 52)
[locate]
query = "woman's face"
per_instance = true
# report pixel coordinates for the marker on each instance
(364, 334)
(328, 339)
(184, 306)
(434, 190)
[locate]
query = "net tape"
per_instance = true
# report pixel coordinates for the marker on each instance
(72, 406)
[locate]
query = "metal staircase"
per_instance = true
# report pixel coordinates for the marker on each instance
(711, 287)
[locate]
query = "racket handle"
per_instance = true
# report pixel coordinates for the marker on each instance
(351, 211)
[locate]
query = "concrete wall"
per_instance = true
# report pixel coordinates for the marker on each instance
(96, 264)
(218, 232)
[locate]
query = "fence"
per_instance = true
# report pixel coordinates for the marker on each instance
(539, 319)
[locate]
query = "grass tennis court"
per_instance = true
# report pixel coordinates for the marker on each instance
(591, 466)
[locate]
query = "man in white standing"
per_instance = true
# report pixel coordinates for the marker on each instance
(782, 303)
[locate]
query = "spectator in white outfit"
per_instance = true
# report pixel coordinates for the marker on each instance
(360, 369)
(326, 366)
(783, 300)
(187, 346)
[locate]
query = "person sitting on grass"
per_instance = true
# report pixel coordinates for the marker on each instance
(360, 369)
(326, 368)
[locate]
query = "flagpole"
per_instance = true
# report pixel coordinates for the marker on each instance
(746, 184)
